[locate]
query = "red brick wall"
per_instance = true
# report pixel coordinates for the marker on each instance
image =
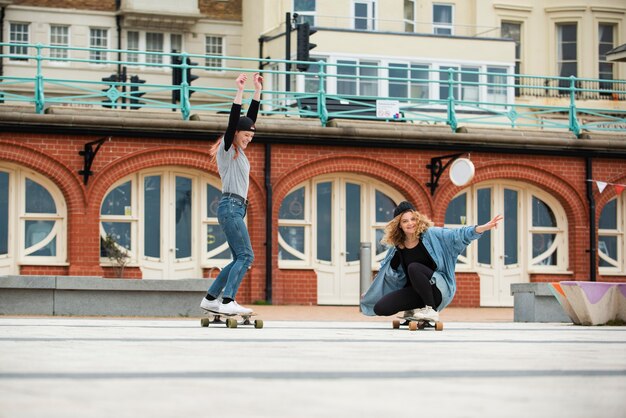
(56, 157)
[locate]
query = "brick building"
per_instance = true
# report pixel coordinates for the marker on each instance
(316, 192)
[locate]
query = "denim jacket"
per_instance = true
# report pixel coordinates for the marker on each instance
(444, 246)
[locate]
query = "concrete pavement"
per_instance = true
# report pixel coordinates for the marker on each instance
(350, 366)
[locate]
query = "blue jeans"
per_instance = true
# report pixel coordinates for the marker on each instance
(230, 214)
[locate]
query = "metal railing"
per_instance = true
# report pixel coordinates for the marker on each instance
(327, 90)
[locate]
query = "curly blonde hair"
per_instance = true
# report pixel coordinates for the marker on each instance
(394, 235)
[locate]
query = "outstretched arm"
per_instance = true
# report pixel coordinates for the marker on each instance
(235, 111)
(489, 225)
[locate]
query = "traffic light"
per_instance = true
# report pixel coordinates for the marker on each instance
(135, 94)
(191, 77)
(177, 76)
(111, 92)
(304, 44)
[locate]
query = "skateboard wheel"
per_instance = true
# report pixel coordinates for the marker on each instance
(258, 323)
(204, 322)
(395, 324)
(438, 326)
(413, 326)
(231, 323)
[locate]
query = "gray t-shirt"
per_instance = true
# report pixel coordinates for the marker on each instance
(234, 172)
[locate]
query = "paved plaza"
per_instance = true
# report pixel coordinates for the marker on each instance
(353, 366)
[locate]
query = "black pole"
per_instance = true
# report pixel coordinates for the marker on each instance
(592, 220)
(268, 222)
(288, 51)
(261, 40)
(1, 39)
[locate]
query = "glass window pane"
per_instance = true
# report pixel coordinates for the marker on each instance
(419, 82)
(294, 237)
(442, 13)
(324, 220)
(36, 232)
(541, 243)
(380, 248)
(456, 213)
(469, 88)
(117, 201)
(119, 231)
(152, 216)
(4, 213)
(215, 238)
(38, 199)
(483, 198)
(608, 217)
(293, 205)
(183, 217)
(542, 214)
(353, 221)
(384, 207)
(510, 227)
(607, 245)
(398, 88)
(213, 196)
(368, 86)
(346, 85)
(304, 5)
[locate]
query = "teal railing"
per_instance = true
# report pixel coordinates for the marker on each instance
(132, 80)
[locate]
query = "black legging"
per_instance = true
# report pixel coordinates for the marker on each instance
(416, 294)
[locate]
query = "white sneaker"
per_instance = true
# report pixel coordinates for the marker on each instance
(210, 305)
(426, 313)
(233, 308)
(409, 313)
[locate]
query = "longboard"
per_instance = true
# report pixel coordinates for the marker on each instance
(417, 323)
(231, 320)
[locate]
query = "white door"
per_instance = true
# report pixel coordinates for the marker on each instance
(170, 211)
(338, 229)
(499, 252)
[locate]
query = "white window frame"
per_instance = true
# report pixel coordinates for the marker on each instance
(140, 59)
(442, 28)
(60, 54)
(19, 50)
(18, 218)
(95, 33)
(619, 265)
(371, 14)
(311, 15)
(214, 48)
(409, 21)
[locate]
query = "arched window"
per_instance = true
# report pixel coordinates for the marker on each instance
(156, 216)
(33, 226)
(611, 242)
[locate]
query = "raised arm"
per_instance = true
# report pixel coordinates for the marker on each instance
(253, 110)
(235, 112)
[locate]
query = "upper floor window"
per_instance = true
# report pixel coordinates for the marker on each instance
(157, 42)
(409, 15)
(18, 34)
(408, 80)
(305, 10)
(442, 19)
(59, 36)
(611, 241)
(513, 30)
(214, 50)
(567, 61)
(98, 39)
(606, 36)
(154, 43)
(365, 15)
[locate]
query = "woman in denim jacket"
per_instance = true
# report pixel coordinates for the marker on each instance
(429, 256)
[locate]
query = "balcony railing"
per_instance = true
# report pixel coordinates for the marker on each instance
(326, 91)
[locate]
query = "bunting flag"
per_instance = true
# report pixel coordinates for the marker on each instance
(619, 188)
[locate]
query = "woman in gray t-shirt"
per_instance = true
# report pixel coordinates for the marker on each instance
(234, 169)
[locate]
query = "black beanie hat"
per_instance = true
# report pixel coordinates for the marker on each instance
(245, 124)
(403, 207)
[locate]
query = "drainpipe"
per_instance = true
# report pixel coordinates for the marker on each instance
(268, 223)
(592, 220)
(2, 38)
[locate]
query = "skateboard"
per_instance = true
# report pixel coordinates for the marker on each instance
(417, 323)
(231, 320)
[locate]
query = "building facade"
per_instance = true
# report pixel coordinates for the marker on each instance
(316, 192)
